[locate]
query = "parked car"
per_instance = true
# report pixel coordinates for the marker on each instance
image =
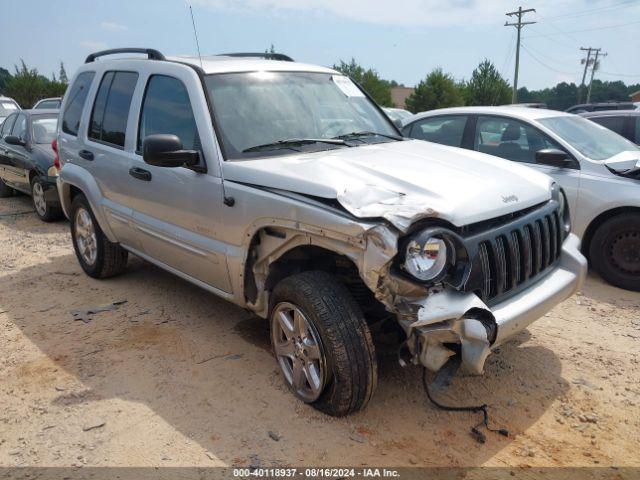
(48, 103)
(623, 122)
(598, 169)
(7, 107)
(226, 172)
(397, 114)
(528, 105)
(27, 160)
(594, 107)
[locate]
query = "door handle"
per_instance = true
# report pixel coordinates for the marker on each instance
(140, 174)
(86, 154)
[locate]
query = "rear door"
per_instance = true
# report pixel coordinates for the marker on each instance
(516, 140)
(177, 211)
(17, 155)
(4, 148)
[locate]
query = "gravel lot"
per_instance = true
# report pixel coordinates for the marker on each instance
(176, 376)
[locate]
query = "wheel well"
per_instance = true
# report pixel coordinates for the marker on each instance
(309, 257)
(32, 173)
(599, 220)
(73, 191)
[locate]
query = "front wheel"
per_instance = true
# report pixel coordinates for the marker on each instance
(98, 257)
(614, 251)
(322, 343)
(45, 211)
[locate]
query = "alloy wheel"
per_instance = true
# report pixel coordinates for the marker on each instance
(39, 201)
(85, 236)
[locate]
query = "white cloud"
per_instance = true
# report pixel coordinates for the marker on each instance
(92, 45)
(408, 13)
(113, 26)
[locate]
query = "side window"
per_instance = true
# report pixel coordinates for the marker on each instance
(166, 109)
(612, 123)
(445, 130)
(77, 95)
(8, 125)
(111, 108)
(510, 139)
(20, 127)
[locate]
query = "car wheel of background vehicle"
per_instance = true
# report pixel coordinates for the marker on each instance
(45, 211)
(322, 343)
(615, 251)
(98, 257)
(5, 190)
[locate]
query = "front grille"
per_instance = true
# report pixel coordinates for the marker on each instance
(515, 253)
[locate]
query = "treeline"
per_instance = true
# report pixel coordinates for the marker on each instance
(26, 86)
(486, 86)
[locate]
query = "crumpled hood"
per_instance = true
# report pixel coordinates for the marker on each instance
(402, 181)
(624, 161)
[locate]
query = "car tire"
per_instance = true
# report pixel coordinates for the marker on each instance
(45, 211)
(345, 374)
(614, 251)
(5, 190)
(98, 257)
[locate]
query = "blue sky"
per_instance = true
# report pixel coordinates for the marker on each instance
(401, 39)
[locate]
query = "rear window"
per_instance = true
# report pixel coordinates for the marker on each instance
(111, 108)
(7, 107)
(77, 95)
(48, 104)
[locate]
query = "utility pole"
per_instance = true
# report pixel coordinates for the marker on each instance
(593, 70)
(518, 13)
(586, 62)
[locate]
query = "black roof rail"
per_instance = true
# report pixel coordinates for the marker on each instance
(266, 55)
(151, 53)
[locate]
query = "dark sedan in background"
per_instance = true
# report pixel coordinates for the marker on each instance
(27, 160)
(623, 122)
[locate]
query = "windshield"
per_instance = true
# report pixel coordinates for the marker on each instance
(7, 107)
(261, 108)
(44, 128)
(590, 139)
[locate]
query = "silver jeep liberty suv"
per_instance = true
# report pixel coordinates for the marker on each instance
(285, 189)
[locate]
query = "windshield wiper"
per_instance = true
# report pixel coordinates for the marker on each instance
(348, 136)
(292, 142)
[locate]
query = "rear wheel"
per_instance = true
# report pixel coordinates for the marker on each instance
(614, 251)
(322, 343)
(98, 257)
(45, 211)
(5, 190)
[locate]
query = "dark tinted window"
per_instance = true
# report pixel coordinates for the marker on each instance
(445, 130)
(8, 125)
(637, 130)
(20, 127)
(48, 104)
(166, 109)
(77, 95)
(111, 108)
(511, 139)
(612, 123)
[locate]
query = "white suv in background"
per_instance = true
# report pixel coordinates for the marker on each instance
(598, 169)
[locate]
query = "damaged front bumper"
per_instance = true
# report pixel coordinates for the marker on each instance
(450, 317)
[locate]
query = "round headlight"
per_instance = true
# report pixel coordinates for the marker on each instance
(426, 259)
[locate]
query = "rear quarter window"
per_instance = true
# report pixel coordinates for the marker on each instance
(77, 95)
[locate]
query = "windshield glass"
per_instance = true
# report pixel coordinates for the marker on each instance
(44, 128)
(590, 139)
(7, 107)
(259, 108)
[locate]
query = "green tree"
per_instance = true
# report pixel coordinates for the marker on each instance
(379, 89)
(437, 90)
(27, 86)
(4, 78)
(487, 86)
(62, 76)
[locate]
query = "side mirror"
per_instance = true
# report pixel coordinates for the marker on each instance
(163, 150)
(552, 157)
(398, 123)
(14, 140)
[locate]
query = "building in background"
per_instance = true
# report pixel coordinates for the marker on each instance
(399, 96)
(635, 97)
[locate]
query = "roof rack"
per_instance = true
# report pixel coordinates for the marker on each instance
(266, 55)
(151, 53)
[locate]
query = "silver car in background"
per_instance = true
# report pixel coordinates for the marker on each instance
(598, 169)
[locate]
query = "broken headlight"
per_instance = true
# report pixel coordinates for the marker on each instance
(429, 254)
(557, 193)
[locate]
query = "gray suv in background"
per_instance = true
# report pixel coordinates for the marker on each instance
(282, 187)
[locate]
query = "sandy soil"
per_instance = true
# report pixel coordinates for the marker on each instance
(176, 376)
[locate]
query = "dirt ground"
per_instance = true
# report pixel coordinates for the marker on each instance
(178, 377)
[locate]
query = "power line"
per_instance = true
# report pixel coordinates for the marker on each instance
(544, 64)
(594, 11)
(519, 24)
(589, 29)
